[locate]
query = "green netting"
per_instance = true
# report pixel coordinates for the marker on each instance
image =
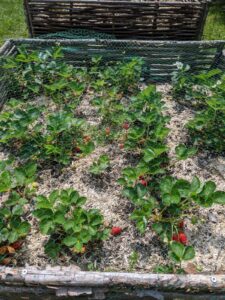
(77, 34)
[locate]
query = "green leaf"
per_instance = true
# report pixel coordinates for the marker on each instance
(166, 185)
(30, 170)
(141, 190)
(157, 227)
(52, 248)
(130, 193)
(13, 237)
(4, 235)
(78, 246)
(53, 196)
(20, 177)
(69, 241)
(43, 213)
(169, 199)
(149, 155)
(100, 165)
(178, 249)
(46, 226)
(219, 197)
(189, 253)
(59, 218)
(183, 152)
(153, 151)
(17, 210)
(208, 189)
(5, 181)
(23, 229)
(87, 148)
(68, 224)
(196, 186)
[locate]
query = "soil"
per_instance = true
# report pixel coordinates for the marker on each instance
(104, 193)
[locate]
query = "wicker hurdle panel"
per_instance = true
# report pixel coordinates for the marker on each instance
(126, 19)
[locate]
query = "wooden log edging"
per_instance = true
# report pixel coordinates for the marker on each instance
(73, 277)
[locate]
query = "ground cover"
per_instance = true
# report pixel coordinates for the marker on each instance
(102, 170)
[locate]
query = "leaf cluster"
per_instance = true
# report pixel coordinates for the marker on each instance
(62, 217)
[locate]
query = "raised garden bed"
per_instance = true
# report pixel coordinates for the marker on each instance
(151, 20)
(149, 157)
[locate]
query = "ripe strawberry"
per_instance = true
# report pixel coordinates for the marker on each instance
(121, 146)
(181, 224)
(77, 149)
(126, 125)
(116, 230)
(143, 182)
(17, 245)
(141, 177)
(107, 131)
(180, 237)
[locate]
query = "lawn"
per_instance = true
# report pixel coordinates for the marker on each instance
(215, 25)
(12, 21)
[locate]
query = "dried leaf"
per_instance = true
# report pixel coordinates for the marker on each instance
(191, 268)
(6, 261)
(10, 249)
(3, 250)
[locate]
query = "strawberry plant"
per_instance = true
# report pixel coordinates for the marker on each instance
(15, 190)
(207, 128)
(16, 178)
(122, 76)
(44, 72)
(55, 140)
(160, 200)
(69, 226)
(13, 226)
(194, 89)
(165, 203)
(100, 165)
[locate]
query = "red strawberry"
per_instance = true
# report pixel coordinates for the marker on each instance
(126, 125)
(180, 237)
(107, 131)
(17, 245)
(121, 146)
(143, 182)
(77, 149)
(181, 224)
(141, 177)
(116, 230)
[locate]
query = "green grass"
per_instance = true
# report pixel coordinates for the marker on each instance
(215, 25)
(12, 21)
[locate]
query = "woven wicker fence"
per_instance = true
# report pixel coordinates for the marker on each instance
(149, 19)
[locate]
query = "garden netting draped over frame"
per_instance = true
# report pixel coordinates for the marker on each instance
(159, 57)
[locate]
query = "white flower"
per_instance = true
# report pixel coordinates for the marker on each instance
(179, 65)
(217, 83)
